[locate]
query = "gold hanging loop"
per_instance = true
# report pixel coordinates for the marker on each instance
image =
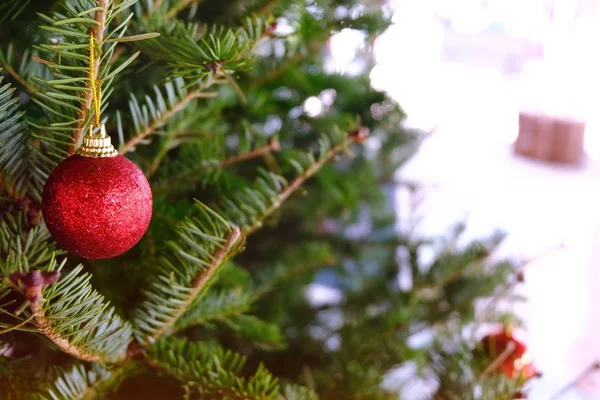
(96, 143)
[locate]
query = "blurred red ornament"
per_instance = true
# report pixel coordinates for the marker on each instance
(97, 204)
(508, 355)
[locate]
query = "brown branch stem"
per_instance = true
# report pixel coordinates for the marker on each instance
(62, 343)
(273, 145)
(296, 183)
(207, 391)
(510, 348)
(155, 7)
(267, 7)
(175, 10)
(201, 279)
(236, 87)
(150, 129)
(20, 80)
(17, 326)
(289, 63)
(84, 109)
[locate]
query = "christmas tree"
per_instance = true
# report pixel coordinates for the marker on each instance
(256, 200)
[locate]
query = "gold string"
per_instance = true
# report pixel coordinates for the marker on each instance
(94, 83)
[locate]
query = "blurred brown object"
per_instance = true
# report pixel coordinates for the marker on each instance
(550, 138)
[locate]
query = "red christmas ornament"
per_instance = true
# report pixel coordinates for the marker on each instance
(97, 204)
(509, 353)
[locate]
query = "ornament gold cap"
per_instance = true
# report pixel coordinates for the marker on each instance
(97, 144)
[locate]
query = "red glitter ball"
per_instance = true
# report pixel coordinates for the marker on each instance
(97, 207)
(517, 363)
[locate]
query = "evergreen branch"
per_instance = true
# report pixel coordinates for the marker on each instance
(299, 181)
(202, 278)
(298, 392)
(85, 382)
(23, 247)
(24, 173)
(157, 4)
(267, 7)
(298, 260)
(84, 108)
(22, 67)
(195, 52)
(164, 117)
(19, 79)
(213, 371)
(75, 382)
(500, 359)
(75, 317)
(177, 8)
(272, 146)
(250, 206)
(10, 9)
(236, 87)
(216, 306)
(204, 243)
(65, 93)
(17, 326)
(287, 64)
(262, 334)
(61, 342)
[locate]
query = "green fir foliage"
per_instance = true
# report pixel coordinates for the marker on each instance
(257, 202)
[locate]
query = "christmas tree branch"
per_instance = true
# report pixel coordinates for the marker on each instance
(159, 157)
(266, 8)
(201, 279)
(355, 137)
(175, 10)
(62, 343)
(207, 391)
(272, 146)
(216, 373)
(19, 79)
(84, 109)
(493, 366)
(155, 7)
(236, 87)
(289, 63)
(88, 382)
(179, 106)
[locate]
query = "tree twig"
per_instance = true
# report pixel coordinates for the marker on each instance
(20, 80)
(273, 145)
(289, 63)
(200, 280)
(292, 187)
(84, 109)
(17, 326)
(207, 391)
(155, 6)
(62, 343)
(237, 88)
(157, 123)
(267, 7)
(175, 10)
(510, 348)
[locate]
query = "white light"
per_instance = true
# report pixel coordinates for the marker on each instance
(320, 295)
(327, 97)
(313, 106)
(343, 47)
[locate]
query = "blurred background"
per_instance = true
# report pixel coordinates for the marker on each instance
(465, 70)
